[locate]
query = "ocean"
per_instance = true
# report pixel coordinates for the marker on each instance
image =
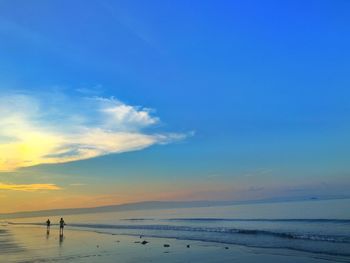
(318, 227)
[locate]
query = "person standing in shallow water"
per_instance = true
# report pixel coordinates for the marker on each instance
(48, 223)
(62, 224)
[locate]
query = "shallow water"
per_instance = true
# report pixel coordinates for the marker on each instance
(318, 227)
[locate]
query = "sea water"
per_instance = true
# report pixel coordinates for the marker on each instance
(315, 226)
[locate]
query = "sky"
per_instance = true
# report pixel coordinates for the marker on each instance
(110, 102)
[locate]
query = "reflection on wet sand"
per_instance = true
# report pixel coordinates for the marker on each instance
(7, 243)
(61, 239)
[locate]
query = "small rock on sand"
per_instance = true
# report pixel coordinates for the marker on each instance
(166, 245)
(226, 247)
(188, 246)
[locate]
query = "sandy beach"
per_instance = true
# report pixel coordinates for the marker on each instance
(32, 244)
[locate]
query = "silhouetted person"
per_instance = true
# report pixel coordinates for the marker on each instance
(48, 223)
(62, 224)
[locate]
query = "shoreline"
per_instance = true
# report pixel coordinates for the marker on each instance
(79, 245)
(329, 247)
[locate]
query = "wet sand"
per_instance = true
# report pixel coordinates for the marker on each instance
(32, 244)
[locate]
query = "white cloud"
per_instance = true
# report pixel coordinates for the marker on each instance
(120, 116)
(57, 129)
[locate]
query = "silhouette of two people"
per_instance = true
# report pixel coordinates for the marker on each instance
(61, 223)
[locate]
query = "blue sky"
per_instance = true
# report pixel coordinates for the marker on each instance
(227, 99)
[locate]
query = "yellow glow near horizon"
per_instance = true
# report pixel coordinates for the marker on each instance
(28, 187)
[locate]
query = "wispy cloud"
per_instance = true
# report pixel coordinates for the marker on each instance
(56, 129)
(28, 187)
